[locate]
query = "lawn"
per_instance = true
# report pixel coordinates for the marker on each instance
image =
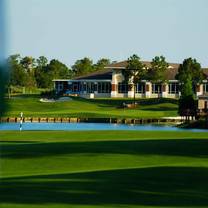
(97, 108)
(103, 169)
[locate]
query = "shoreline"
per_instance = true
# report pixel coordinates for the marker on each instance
(165, 120)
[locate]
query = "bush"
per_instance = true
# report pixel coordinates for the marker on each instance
(48, 94)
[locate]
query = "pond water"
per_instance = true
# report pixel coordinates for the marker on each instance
(91, 127)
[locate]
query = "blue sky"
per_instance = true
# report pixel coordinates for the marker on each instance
(72, 29)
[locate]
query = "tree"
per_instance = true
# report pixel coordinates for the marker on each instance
(189, 75)
(28, 64)
(134, 72)
(17, 74)
(55, 70)
(59, 70)
(158, 68)
(82, 67)
(156, 72)
(40, 72)
(42, 61)
(190, 67)
(101, 64)
(187, 104)
(187, 88)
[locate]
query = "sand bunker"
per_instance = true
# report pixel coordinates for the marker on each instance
(61, 99)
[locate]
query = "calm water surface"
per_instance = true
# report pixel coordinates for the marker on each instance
(91, 127)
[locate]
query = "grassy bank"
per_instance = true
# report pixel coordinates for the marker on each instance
(104, 169)
(98, 108)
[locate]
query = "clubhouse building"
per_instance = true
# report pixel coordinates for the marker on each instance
(109, 82)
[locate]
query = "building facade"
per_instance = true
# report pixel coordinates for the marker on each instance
(110, 83)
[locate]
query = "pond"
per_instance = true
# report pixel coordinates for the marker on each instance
(91, 127)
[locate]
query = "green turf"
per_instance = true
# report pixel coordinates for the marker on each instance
(103, 169)
(99, 108)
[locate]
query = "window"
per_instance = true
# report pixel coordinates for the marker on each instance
(90, 87)
(205, 87)
(75, 87)
(104, 87)
(122, 87)
(156, 88)
(173, 88)
(82, 87)
(140, 88)
(70, 87)
(95, 87)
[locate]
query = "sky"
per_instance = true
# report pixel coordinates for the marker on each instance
(73, 29)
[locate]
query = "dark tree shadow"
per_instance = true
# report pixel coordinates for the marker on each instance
(171, 147)
(156, 186)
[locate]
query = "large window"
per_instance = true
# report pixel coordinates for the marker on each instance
(90, 87)
(75, 87)
(173, 88)
(104, 87)
(122, 87)
(156, 88)
(82, 87)
(205, 87)
(140, 88)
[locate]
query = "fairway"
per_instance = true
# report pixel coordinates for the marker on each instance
(95, 108)
(103, 169)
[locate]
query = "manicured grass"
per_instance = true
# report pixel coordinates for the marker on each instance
(99, 108)
(103, 169)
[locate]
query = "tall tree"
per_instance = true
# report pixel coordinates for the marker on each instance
(28, 63)
(40, 72)
(83, 66)
(187, 103)
(189, 74)
(134, 72)
(158, 68)
(17, 74)
(190, 67)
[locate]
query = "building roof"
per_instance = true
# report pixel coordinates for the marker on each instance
(98, 75)
(205, 70)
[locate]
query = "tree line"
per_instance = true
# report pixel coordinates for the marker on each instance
(30, 72)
